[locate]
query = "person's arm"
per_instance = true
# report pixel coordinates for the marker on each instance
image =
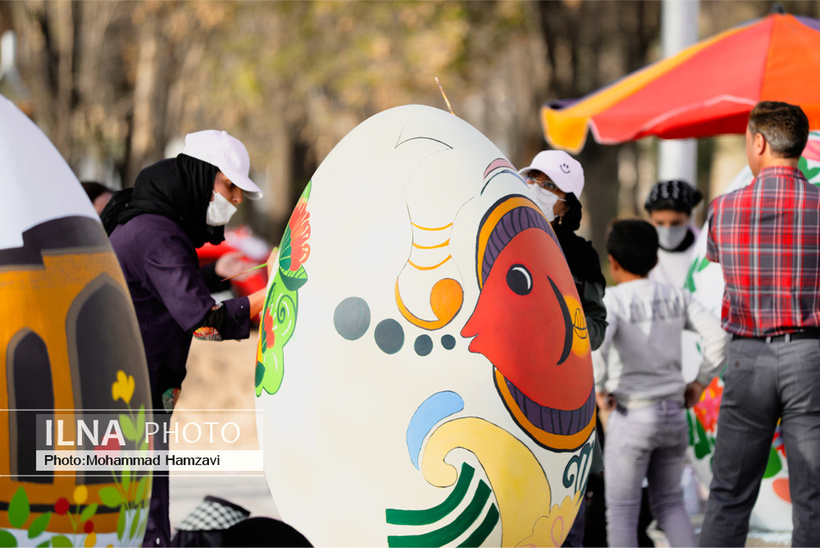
(227, 320)
(600, 361)
(213, 281)
(715, 342)
(592, 301)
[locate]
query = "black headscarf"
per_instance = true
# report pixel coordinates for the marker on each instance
(177, 188)
(571, 220)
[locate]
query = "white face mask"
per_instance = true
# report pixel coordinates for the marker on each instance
(670, 237)
(546, 200)
(220, 211)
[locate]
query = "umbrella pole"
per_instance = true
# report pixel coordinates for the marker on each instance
(677, 159)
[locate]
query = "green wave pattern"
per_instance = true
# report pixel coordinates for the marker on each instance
(460, 525)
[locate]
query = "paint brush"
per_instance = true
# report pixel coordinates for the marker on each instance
(244, 272)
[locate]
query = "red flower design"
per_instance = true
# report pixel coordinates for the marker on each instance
(61, 506)
(88, 527)
(299, 225)
(708, 408)
(270, 334)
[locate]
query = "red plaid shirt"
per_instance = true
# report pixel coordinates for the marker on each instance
(766, 236)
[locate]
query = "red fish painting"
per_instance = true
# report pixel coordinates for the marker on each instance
(542, 365)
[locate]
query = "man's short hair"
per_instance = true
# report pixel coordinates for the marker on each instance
(785, 127)
(634, 244)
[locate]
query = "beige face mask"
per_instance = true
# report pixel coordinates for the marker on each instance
(546, 200)
(220, 211)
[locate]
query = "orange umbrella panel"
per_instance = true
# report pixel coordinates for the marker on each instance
(707, 89)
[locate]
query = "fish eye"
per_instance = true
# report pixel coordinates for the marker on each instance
(519, 279)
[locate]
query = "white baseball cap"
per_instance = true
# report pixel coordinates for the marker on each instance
(564, 170)
(227, 153)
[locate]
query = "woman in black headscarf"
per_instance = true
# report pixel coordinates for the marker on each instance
(176, 206)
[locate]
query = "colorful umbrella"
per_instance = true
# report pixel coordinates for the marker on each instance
(707, 89)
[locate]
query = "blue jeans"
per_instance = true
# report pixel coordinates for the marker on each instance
(765, 382)
(649, 442)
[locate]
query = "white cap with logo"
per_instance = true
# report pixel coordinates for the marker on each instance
(227, 153)
(564, 170)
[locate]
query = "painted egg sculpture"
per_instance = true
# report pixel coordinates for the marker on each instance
(70, 342)
(773, 509)
(423, 364)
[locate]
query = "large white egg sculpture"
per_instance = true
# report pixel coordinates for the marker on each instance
(70, 351)
(773, 509)
(423, 363)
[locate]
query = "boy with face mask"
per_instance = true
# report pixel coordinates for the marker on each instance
(176, 206)
(670, 205)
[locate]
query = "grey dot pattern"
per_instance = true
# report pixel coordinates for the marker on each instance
(389, 336)
(423, 345)
(352, 318)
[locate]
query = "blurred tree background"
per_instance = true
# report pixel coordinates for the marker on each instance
(117, 84)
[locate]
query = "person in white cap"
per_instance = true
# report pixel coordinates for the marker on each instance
(556, 180)
(176, 206)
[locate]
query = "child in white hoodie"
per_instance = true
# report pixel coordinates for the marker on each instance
(638, 377)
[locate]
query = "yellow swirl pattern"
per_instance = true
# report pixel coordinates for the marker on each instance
(517, 479)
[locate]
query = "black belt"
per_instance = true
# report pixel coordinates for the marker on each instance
(785, 337)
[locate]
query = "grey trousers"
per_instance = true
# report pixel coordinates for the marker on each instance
(765, 382)
(650, 443)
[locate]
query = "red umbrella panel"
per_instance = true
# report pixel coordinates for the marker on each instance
(707, 89)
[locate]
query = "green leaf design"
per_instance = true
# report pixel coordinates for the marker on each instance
(140, 422)
(19, 508)
(44, 544)
(128, 428)
(39, 525)
(88, 512)
(689, 284)
(141, 489)
(698, 265)
(126, 481)
(121, 523)
(259, 374)
(702, 446)
(293, 280)
(285, 254)
(61, 541)
(689, 419)
(7, 539)
(774, 465)
(110, 496)
(134, 526)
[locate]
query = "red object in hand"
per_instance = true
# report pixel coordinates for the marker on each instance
(253, 250)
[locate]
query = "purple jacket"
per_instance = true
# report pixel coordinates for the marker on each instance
(170, 297)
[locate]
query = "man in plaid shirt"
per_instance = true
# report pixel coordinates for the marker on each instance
(766, 236)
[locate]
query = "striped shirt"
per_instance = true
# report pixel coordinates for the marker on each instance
(766, 236)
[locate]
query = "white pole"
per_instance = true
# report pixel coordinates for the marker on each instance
(677, 159)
